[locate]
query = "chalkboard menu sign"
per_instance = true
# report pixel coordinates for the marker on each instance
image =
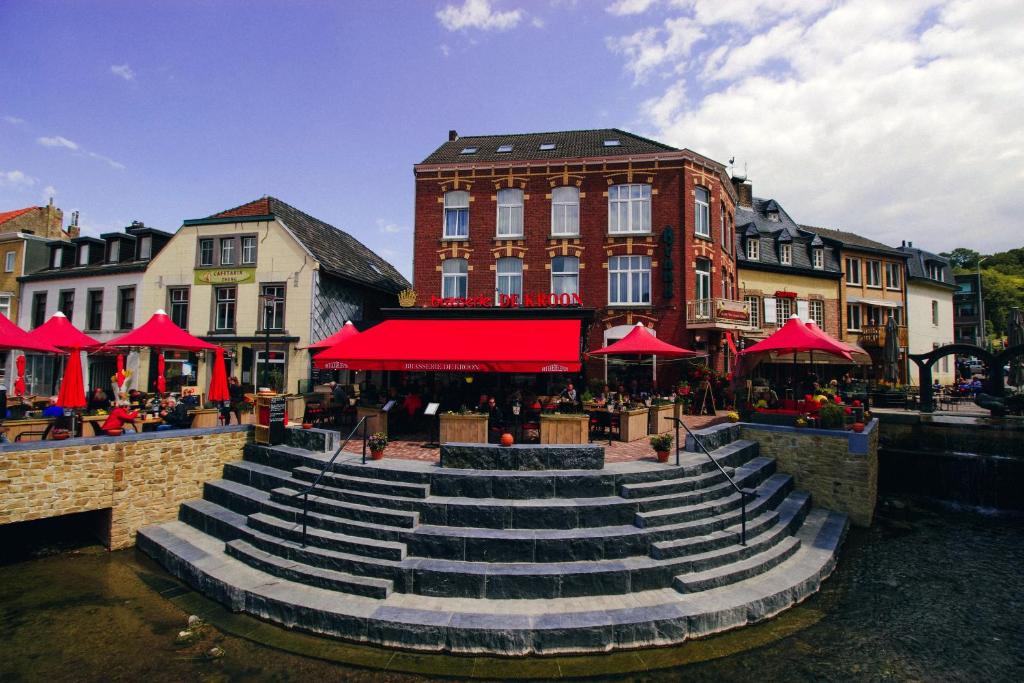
(278, 406)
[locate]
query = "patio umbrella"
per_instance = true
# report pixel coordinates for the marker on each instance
(219, 379)
(640, 342)
(160, 332)
(72, 391)
(347, 330)
(891, 351)
(13, 338)
(59, 332)
(1015, 332)
(19, 384)
(794, 337)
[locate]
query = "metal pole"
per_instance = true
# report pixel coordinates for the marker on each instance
(364, 440)
(743, 518)
(266, 349)
(305, 507)
(983, 337)
(677, 440)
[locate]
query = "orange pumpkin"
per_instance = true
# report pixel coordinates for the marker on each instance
(506, 439)
(858, 427)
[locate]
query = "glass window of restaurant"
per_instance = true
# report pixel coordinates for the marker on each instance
(565, 275)
(509, 279)
(455, 278)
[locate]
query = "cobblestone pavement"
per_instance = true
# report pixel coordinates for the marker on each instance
(617, 451)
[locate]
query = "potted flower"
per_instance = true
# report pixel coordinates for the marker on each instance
(733, 416)
(661, 443)
(377, 443)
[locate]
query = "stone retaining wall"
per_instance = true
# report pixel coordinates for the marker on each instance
(141, 478)
(838, 468)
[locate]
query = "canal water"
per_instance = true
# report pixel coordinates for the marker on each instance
(924, 595)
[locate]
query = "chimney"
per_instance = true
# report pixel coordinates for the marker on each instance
(73, 230)
(910, 244)
(453, 135)
(904, 243)
(745, 192)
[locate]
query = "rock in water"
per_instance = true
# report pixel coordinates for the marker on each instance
(194, 622)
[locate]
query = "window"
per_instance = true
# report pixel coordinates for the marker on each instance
(227, 251)
(875, 315)
(455, 278)
(816, 312)
(753, 249)
(853, 317)
(57, 254)
(146, 247)
(629, 208)
(565, 211)
(853, 272)
(94, 309)
(818, 254)
(546, 146)
(206, 252)
(892, 275)
(178, 303)
(703, 288)
(83, 255)
(9, 261)
(469, 150)
(456, 215)
(702, 212)
(249, 250)
(753, 310)
(509, 278)
(272, 303)
(66, 303)
(723, 226)
(5, 305)
(612, 143)
(504, 149)
(783, 309)
(934, 271)
(565, 275)
(38, 309)
(115, 251)
(629, 280)
(786, 254)
(874, 274)
(224, 313)
(125, 308)
(510, 213)
(935, 313)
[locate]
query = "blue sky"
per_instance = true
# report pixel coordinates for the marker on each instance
(856, 115)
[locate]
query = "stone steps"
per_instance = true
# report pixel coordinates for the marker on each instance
(323, 538)
(718, 576)
(363, 484)
(327, 503)
(749, 474)
(780, 484)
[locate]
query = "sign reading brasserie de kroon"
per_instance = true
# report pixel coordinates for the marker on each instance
(225, 276)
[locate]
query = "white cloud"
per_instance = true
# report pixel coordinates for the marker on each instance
(445, 50)
(654, 48)
(537, 22)
(893, 120)
(107, 160)
(14, 120)
(49, 191)
(19, 180)
(123, 71)
(388, 227)
(58, 141)
(625, 7)
(478, 14)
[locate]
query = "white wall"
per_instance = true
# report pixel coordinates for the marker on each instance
(923, 334)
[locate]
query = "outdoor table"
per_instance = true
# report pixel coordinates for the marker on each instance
(16, 427)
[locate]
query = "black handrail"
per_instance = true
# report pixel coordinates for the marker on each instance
(743, 495)
(306, 491)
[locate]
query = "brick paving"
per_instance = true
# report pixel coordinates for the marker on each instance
(618, 451)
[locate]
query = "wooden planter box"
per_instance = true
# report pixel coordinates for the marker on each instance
(463, 429)
(564, 428)
(376, 419)
(656, 422)
(296, 407)
(203, 417)
(633, 424)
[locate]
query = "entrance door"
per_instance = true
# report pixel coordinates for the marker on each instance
(703, 303)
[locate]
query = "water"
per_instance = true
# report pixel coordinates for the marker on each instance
(923, 595)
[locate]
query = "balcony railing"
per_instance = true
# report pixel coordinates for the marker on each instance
(723, 313)
(874, 335)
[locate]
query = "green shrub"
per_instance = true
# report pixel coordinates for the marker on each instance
(831, 416)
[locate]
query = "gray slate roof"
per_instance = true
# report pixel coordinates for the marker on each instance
(755, 221)
(569, 144)
(853, 240)
(918, 270)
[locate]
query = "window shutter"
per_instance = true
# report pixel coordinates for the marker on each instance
(769, 310)
(803, 310)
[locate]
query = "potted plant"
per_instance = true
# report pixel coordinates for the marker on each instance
(832, 416)
(661, 443)
(733, 416)
(377, 442)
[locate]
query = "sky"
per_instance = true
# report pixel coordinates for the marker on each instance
(896, 120)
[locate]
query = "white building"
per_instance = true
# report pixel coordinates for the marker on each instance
(930, 288)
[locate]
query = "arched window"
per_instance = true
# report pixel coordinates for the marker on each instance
(510, 213)
(565, 211)
(509, 279)
(454, 278)
(702, 212)
(565, 275)
(456, 214)
(703, 288)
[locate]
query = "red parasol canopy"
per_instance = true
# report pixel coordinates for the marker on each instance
(13, 338)
(794, 337)
(219, 379)
(160, 333)
(19, 384)
(640, 342)
(347, 330)
(813, 327)
(58, 331)
(72, 391)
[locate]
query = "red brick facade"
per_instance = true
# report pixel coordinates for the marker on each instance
(672, 176)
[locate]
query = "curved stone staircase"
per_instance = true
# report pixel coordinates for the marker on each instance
(408, 554)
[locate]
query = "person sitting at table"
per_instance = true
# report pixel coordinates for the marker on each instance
(175, 416)
(569, 394)
(52, 409)
(189, 398)
(98, 399)
(118, 417)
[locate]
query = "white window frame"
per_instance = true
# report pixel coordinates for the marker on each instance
(179, 297)
(5, 305)
(9, 259)
(225, 308)
(786, 254)
(853, 274)
(893, 269)
(83, 255)
(569, 273)
(818, 257)
(783, 309)
(850, 309)
(935, 272)
(702, 212)
(753, 249)
(565, 213)
(724, 226)
(510, 213)
(213, 247)
(461, 214)
(272, 312)
(753, 311)
(455, 278)
(146, 247)
(816, 312)
(632, 275)
(874, 268)
(249, 247)
(629, 215)
(508, 278)
(227, 247)
(58, 258)
(115, 251)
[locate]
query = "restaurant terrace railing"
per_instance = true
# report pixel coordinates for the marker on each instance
(874, 335)
(715, 312)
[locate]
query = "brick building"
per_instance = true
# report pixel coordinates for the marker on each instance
(638, 230)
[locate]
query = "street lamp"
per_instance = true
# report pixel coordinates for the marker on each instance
(269, 302)
(981, 307)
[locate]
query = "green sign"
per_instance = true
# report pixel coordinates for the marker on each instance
(225, 276)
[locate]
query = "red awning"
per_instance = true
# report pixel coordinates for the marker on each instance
(460, 346)
(13, 338)
(640, 342)
(159, 332)
(58, 331)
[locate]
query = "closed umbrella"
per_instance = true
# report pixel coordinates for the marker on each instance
(219, 379)
(891, 352)
(19, 384)
(72, 391)
(1016, 335)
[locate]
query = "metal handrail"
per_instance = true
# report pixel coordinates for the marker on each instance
(316, 481)
(743, 494)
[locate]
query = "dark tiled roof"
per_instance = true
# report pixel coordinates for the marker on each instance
(918, 270)
(754, 222)
(95, 269)
(569, 144)
(337, 251)
(853, 240)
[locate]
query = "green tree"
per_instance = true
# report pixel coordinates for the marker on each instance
(1000, 292)
(962, 258)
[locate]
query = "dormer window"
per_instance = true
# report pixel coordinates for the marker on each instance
(753, 249)
(146, 247)
(818, 257)
(83, 255)
(786, 254)
(57, 254)
(773, 216)
(934, 271)
(115, 252)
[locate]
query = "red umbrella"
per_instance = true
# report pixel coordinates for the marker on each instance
(159, 332)
(813, 327)
(794, 337)
(19, 384)
(640, 342)
(58, 331)
(119, 375)
(13, 338)
(347, 330)
(72, 392)
(161, 379)
(219, 380)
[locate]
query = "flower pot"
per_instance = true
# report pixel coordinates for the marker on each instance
(115, 432)
(377, 455)
(506, 439)
(307, 425)
(858, 427)
(662, 456)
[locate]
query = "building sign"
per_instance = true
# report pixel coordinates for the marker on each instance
(785, 295)
(528, 300)
(731, 310)
(225, 276)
